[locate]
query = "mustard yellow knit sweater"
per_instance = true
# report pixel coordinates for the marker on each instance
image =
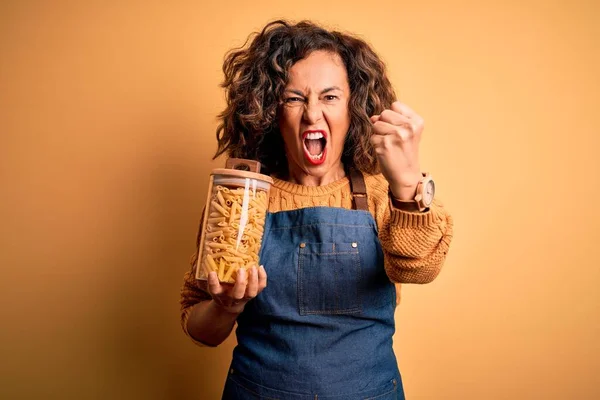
(414, 244)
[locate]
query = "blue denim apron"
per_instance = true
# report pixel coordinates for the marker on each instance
(323, 326)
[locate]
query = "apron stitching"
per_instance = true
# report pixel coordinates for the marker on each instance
(321, 224)
(300, 279)
(335, 312)
(359, 271)
(266, 230)
(339, 252)
(337, 309)
(336, 294)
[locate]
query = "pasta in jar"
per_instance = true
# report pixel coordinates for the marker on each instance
(233, 226)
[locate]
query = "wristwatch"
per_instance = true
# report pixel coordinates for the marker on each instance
(423, 198)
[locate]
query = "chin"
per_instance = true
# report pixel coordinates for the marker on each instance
(320, 170)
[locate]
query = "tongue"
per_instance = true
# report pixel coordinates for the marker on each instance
(314, 146)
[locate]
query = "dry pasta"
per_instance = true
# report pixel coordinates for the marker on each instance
(233, 231)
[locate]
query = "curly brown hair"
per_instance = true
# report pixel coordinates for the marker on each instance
(256, 76)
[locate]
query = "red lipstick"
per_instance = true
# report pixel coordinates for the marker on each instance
(316, 140)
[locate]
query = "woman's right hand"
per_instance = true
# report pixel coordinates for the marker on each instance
(233, 298)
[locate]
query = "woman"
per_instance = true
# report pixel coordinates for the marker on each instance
(350, 214)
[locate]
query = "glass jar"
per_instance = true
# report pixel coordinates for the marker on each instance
(233, 224)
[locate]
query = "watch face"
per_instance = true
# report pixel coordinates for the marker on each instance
(429, 192)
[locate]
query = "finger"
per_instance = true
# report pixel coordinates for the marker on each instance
(374, 118)
(403, 109)
(262, 278)
(240, 284)
(395, 118)
(384, 128)
(214, 286)
(252, 289)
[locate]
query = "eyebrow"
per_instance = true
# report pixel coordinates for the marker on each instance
(326, 90)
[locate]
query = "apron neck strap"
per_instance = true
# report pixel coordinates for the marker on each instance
(359, 190)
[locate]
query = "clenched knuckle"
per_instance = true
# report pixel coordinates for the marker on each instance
(386, 114)
(386, 143)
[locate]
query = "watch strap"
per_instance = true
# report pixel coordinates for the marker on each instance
(409, 205)
(414, 205)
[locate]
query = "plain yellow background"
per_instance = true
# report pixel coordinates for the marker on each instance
(107, 120)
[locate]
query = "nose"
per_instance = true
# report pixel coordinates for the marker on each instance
(312, 112)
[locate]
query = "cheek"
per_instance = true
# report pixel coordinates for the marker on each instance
(339, 123)
(288, 127)
(339, 116)
(339, 142)
(288, 118)
(339, 132)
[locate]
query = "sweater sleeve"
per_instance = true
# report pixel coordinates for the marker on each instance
(192, 292)
(414, 244)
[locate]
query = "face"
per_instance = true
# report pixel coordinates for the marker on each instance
(314, 118)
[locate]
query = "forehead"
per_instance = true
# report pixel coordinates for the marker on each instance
(318, 70)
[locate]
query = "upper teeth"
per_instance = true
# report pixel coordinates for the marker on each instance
(316, 135)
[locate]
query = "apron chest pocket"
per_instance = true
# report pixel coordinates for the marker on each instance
(328, 278)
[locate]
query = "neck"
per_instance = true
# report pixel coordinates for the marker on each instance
(300, 177)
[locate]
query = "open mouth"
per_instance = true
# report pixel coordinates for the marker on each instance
(315, 146)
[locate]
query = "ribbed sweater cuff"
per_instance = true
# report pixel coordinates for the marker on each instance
(407, 219)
